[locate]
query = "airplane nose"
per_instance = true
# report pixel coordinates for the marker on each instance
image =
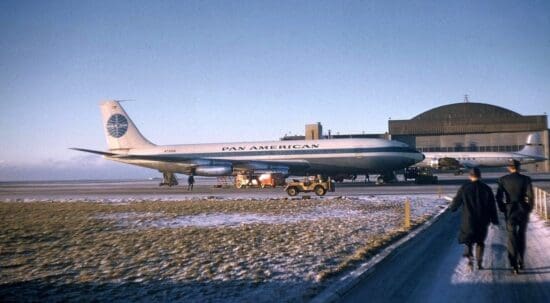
(420, 157)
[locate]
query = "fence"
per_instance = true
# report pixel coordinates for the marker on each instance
(541, 202)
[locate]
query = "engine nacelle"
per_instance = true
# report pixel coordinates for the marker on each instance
(448, 163)
(213, 171)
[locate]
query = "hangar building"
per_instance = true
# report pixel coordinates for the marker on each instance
(476, 127)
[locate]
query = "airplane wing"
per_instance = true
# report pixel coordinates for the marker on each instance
(242, 165)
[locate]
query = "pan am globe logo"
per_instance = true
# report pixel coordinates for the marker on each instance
(117, 125)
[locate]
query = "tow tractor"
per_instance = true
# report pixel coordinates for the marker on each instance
(420, 175)
(317, 185)
(425, 176)
(411, 173)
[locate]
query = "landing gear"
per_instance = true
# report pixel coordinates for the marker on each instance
(338, 179)
(169, 179)
(387, 177)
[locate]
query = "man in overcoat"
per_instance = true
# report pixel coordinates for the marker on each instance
(478, 211)
(515, 200)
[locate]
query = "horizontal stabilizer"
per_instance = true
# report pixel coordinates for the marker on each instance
(93, 151)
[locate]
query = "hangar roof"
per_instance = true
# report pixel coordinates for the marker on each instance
(466, 117)
(468, 110)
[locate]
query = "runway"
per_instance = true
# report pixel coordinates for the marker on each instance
(205, 188)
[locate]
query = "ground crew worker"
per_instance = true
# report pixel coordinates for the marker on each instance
(190, 182)
(518, 191)
(478, 211)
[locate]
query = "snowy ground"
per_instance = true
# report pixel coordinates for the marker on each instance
(200, 250)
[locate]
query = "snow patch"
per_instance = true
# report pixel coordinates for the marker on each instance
(152, 220)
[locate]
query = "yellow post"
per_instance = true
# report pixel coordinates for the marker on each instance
(407, 223)
(545, 205)
(538, 204)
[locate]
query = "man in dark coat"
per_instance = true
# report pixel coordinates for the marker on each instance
(190, 182)
(518, 191)
(478, 211)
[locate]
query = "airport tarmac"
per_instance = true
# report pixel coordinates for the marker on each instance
(205, 188)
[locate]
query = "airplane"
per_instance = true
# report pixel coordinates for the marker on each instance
(532, 152)
(326, 157)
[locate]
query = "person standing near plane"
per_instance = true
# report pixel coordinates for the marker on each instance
(190, 182)
(518, 191)
(478, 211)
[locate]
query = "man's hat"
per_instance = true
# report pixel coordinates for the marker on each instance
(514, 163)
(475, 172)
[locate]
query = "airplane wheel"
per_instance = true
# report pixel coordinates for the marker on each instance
(380, 180)
(320, 191)
(292, 191)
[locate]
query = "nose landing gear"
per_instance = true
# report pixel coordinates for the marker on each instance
(387, 177)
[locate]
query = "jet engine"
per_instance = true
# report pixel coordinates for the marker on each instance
(448, 163)
(213, 171)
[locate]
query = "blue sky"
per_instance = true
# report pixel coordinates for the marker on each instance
(221, 71)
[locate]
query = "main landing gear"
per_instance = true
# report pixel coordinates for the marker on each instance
(387, 177)
(169, 179)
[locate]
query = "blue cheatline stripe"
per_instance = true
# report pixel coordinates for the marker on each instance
(278, 152)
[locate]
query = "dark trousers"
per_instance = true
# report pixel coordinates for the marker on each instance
(469, 251)
(516, 242)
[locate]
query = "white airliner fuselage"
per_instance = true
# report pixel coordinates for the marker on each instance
(532, 152)
(292, 157)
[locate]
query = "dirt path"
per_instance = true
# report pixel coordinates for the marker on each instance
(430, 269)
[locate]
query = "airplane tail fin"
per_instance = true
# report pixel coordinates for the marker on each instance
(533, 146)
(120, 131)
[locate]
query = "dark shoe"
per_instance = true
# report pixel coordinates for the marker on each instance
(470, 264)
(479, 265)
(515, 271)
(520, 265)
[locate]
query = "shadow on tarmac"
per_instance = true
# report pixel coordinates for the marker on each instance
(49, 290)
